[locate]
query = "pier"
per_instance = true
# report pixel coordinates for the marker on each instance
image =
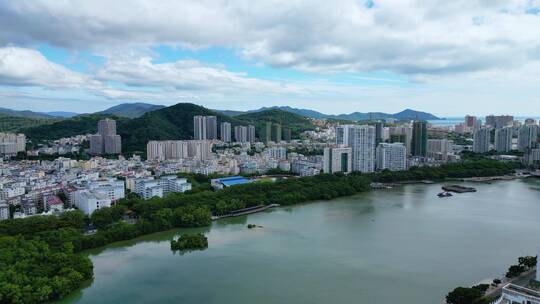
(245, 211)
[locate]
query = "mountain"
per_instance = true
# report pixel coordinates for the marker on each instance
(131, 110)
(17, 123)
(174, 122)
(301, 112)
(61, 114)
(407, 114)
(82, 124)
(412, 114)
(25, 114)
(288, 120)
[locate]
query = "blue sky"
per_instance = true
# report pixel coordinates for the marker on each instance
(448, 58)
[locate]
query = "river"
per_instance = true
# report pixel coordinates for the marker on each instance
(403, 245)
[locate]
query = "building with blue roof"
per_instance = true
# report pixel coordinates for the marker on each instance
(225, 182)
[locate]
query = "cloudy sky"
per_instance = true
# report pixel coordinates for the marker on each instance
(445, 57)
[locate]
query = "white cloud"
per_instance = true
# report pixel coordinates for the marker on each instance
(186, 75)
(405, 36)
(27, 67)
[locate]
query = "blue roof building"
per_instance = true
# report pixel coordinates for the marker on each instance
(220, 183)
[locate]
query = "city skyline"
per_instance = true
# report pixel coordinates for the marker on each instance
(89, 58)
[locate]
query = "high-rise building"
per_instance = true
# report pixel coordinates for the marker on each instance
(530, 121)
(391, 157)
(251, 133)
(204, 127)
(337, 160)
(499, 121)
(106, 141)
(379, 128)
(225, 132)
(481, 140)
(287, 134)
(211, 127)
(527, 137)
(439, 149)
(342, 135)
(11, 143)
(199, 127)
(402, 134)
(267, 132)
(419, 139)
(470, 121)
(241, 134)
(276, 132)
(178, 149)
(362, 142)
(503, 139)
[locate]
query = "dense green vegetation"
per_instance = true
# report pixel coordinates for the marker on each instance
(33, 271)
(175, 122)
(16, 124)
(188, 242)
(524, 264)
(294, 122)
(468, 295)
(483, 167)
(82, 124)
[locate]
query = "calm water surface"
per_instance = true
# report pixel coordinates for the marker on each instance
(403, 245)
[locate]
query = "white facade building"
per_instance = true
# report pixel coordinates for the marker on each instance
(337, 160)
(527, 137)
(481, 140)
(114, 189)
(362, 141)
(225, 132)
(88, 201)
(503, 139)
(150, 187)
(391, 157)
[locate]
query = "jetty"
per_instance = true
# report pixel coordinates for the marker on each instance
(245, 211)
(458, 189)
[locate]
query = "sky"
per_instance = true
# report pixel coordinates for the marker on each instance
(448, 58)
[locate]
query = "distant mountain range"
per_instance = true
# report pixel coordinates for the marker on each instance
(407, 114)
(131, 110)
(134, 110)
(25, 114)
(174, 122)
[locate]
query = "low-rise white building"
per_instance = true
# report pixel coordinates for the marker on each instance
(150, 187)
(88, 201)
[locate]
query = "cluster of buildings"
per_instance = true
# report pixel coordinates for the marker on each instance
(33, 187)
(367, 148)
(11, 144)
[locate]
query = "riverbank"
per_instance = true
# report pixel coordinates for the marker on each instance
(342, 251)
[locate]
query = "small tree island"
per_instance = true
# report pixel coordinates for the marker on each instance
(187, 242)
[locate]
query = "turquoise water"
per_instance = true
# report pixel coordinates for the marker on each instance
(403, 245)
(452, 121)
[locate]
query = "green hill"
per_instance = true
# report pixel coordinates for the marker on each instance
(17, 123)
(296, 123)
(82, 124)
(131, 110)
(174, 122)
